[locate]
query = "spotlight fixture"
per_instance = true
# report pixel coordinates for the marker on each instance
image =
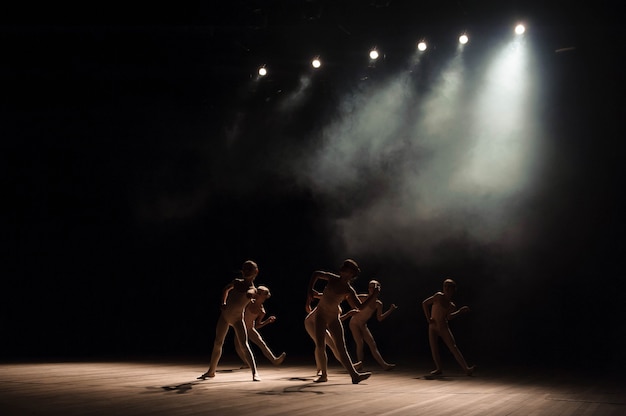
(463, 39)
(421, 46)
(262, 71)
(520, 29)
(374, 54)
(316, 63)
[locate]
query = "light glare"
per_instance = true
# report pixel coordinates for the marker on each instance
(422, 46)
(520, 29)
(463, 39)
(262, 71)
(374, 54)
(316, 63)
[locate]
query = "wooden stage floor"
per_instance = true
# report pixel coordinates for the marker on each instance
(160, 387)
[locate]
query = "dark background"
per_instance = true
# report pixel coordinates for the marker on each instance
(128, 205)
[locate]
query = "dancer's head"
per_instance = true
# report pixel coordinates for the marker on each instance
(249, 269)
(449, 287)
(263, 291)
(373, 284)
(350, 266)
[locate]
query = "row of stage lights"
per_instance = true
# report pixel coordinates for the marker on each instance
(316, 63)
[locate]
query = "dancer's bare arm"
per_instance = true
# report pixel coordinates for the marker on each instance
(225, 293)
(349, 314)
(426, 305)
(312, 293)
(354, 301)
(379, 310)
(462, 310)
(260, 322)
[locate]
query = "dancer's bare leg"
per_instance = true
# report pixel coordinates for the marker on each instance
(333, 347)
(433, 340)
(357, 335)
(309, 325)
(241, 355)
(255, 337)
(221, 329)
(448, 338)
(321, 359)
(337, 333)
(371, 343)
(242, 338)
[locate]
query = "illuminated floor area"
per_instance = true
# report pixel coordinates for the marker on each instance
(171, 388)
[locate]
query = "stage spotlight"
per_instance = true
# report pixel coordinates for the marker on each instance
(262, 71)
(374, 54)
(421, 46)
(520, 29)
(463, 39)
(316, 63)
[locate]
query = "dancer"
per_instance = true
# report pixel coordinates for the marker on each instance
(360, 331)
(327, 317)
(254, 319)
(235, 297)
(309, 325)
(439, 309)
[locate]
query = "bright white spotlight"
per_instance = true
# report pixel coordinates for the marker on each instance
(520, 29)
(373, 54)
(316, 63)
(421, 46)
(463, 39)
(262, 71)
(503, 126)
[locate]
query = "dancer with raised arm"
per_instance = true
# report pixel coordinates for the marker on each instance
(254, 317)
(327, 317)
(309, 325)
(360, 331)
(439, 309)
(235, 297)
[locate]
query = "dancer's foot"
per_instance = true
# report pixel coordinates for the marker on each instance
(255, 377)
(388, 367)
(360, 377)
(321, 379)
(358, 366)
(436, 372)
(205, 376)
(470, 370)
(280, 359)
(319, 372)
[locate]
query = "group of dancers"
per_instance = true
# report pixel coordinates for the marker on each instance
(242, 309)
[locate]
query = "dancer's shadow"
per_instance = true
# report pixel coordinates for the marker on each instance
(309, 386)
(439, 377)
(185, 387)
(180, 388)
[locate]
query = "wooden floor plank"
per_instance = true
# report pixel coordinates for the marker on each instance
(165, 388)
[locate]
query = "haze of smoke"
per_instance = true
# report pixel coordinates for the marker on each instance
(419, 170)
(362, 138)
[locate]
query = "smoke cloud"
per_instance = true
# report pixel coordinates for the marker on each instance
(407, 166)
